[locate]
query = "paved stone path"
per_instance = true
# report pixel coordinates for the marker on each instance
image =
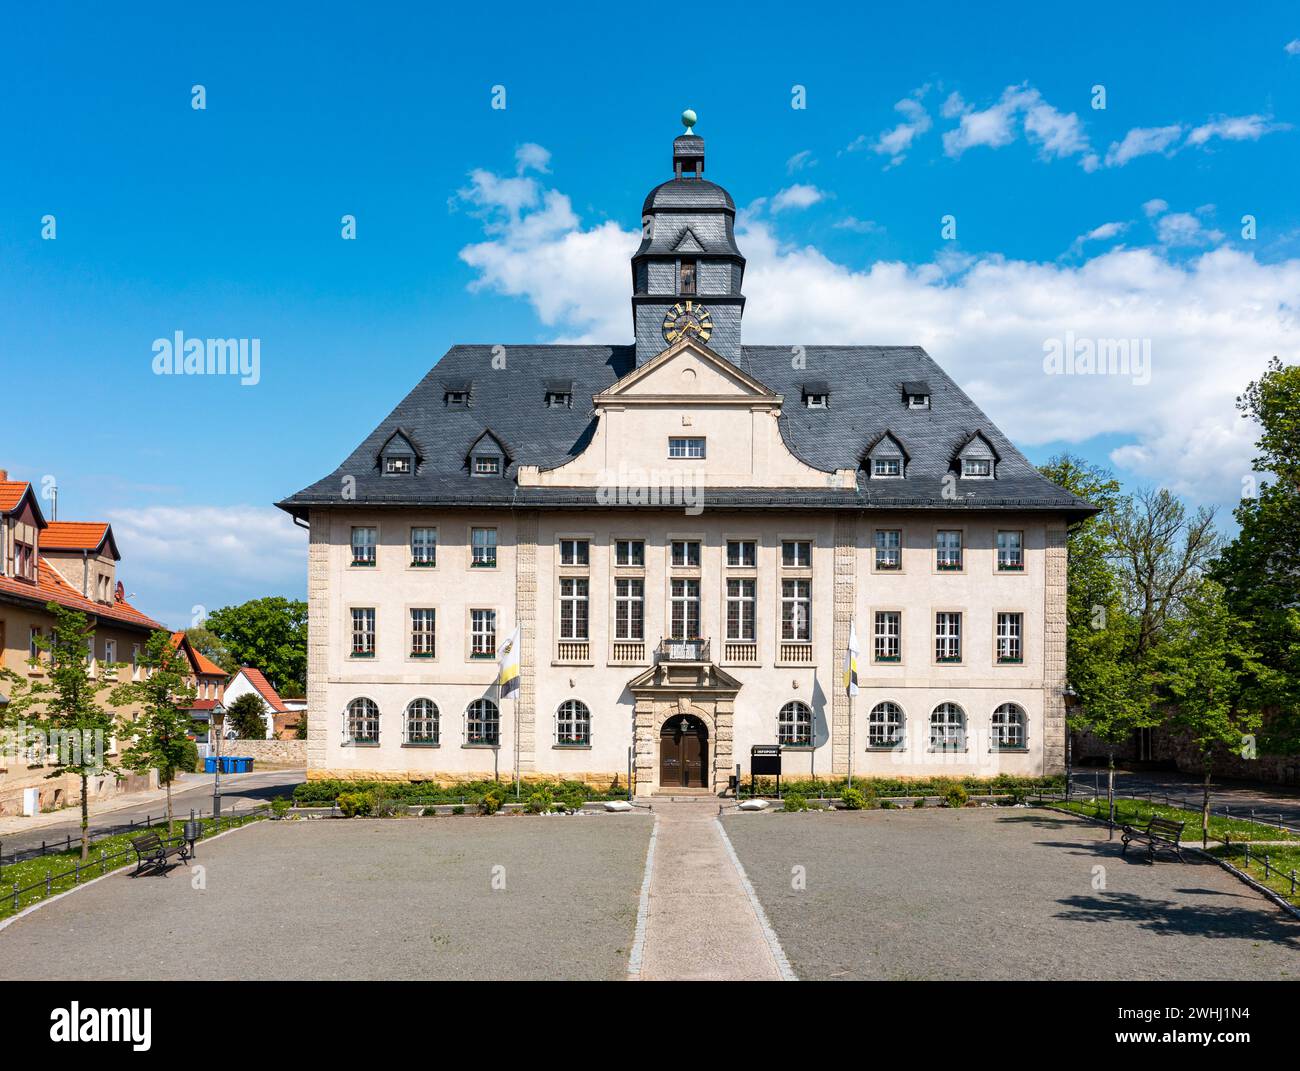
(702, 921)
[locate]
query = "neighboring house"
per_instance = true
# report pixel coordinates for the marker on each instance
(73, 564)
(684, 530)
(282, 715)
(208, 681)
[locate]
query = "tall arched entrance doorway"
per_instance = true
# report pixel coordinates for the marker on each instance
(684, 753)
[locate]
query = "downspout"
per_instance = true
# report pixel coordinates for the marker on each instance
(85, 573)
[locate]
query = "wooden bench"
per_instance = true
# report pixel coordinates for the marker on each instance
(1159, 834)
(151, 851)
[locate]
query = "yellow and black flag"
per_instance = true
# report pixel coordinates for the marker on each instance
(851, 661)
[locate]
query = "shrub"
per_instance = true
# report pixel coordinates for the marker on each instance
(887, 805)
(490, 803)
(919, 801)
(852, 799)
(573, 801)
(541, 802)
(956, 796)
(795, 801)
(280, 806)
(429, 812)
(385, 807)
(355, 803)
(458, 809)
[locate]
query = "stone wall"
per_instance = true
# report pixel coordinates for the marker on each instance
(269, 752)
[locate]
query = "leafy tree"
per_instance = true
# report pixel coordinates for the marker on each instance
(1101, 651)
(1205, 668)
(301, 732)
(65, 706)
(269, 633)
(209, 643)
(1259, 569)
(246, 716)
(162, 732)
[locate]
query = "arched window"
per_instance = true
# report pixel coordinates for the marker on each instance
(1009, 728)
(422, 722)
(948, 728)
(482, 723)
(573, 724)
(361, 724)
(794, 725)
(885, 725)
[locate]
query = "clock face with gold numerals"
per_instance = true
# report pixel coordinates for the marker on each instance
(687, 318)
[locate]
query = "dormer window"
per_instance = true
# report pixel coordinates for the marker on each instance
(487, 465)
(816, 395)
(398, 465)
(977, 460)
(399, 455)
(455, 397)
(887, 460)
(977, 467)
(916, 394)
(886, 467)
(556, 399)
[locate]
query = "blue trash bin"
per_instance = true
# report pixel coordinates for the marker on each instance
(227, 764)
(210, 764)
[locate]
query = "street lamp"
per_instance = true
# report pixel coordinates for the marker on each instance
(214, 735)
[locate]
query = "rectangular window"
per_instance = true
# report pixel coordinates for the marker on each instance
(629, 552)
(1011, 552)
(135, 661)
(1010, 631)
(487, 465)
(947, 637)
(573, 608)
(363, 632)
(977, 466)
(575, 552)
(629, 609)
(796, 610)
(686, 553)
(741, 609)
(742, 553)
(423, 633)
(815, 401)
(424, 547)
(363, 546)
(685, 609)
(687, 278)
(482, 633)
(110, 650)
(948, 550)
(558, 399)
(796, 554)
(887, 466)
(887, 642)
(33, 648)
(686, 447)
(889, 548)
(397, 466)
(483, 548)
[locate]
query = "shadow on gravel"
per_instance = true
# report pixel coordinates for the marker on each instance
(1170, 918)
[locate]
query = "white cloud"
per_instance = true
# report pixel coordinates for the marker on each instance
(800, 195)
(1234, 128)
(532, 157)
(1183, 228)
(1101, 233)
(858, 226)
(1154, 207)
(1292, 48)
(206, 556)
(799, 161)
(895, 143)
(1213, 322)
(1142, 141)
(1057, 134)
(953, 106)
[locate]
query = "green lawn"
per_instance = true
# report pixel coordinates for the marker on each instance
(1281, 858)
(116, 851)
(1137, 812)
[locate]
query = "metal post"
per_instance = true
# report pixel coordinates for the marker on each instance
(630, 752)
(214, 735)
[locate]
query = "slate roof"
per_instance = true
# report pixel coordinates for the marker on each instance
(865, 401)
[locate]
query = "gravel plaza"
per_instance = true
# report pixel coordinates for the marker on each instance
(980, 893)
(1000, 893)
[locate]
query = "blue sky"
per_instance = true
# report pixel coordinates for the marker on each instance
(477, 224)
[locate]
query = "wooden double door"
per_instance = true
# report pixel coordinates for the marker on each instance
(684, 753)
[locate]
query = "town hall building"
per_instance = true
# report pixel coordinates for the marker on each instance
(685, 531)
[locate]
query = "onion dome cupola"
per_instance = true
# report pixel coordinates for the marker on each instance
(687, 273)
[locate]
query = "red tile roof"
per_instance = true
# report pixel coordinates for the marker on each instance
(258, 680)
(73, 535)
(202, 663)
(11, 493)
(50, 587)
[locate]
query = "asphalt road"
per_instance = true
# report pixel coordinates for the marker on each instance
(1239, 797)
(999, 893)
(456, 898)
(238, 791)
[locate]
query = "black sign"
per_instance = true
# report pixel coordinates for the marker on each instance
(765, 760)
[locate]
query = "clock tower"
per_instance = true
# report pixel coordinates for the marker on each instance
(686, 275)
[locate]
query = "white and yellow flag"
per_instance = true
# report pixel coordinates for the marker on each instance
(851, 661)
(508, 665)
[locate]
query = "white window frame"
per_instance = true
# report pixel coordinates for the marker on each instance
(361, 712)
(364, 631)
(688, 603)
(626, 560)
(885, 552)
(742, 596)
(575, 608)
(575, 552)
(573, 724)
(1009, 728)
(686, 545)
(486, 465)
(947, 636)
(424, 550)
(430, 716)
(479, 550)
(365, 552)
(969, 464)
(1009, 631)
(1011, 551)
(687, 447)
(482, 633)
(424, 633)
(484, 714)
(945, 547)
(796, 610)
(802, 558)
(794, 725)
(629, 609)
(747, 556)
(887, 468)
(887, 636)
(886, 727)
(948, 727)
